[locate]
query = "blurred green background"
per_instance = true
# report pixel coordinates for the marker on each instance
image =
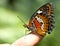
(11, 27)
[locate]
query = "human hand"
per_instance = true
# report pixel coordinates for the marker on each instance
(27, 40)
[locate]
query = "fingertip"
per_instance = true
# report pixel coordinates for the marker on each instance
(31, 39)
(27, 40)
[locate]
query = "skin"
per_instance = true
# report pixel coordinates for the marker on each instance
(27, 40)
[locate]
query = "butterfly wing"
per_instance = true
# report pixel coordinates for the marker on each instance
(42, 20)
(48, 11)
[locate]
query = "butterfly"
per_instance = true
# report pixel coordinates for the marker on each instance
(42, 21)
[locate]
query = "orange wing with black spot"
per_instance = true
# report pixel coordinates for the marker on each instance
(42, 21)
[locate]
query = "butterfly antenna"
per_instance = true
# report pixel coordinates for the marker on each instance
(22, 21)
(23, 25)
